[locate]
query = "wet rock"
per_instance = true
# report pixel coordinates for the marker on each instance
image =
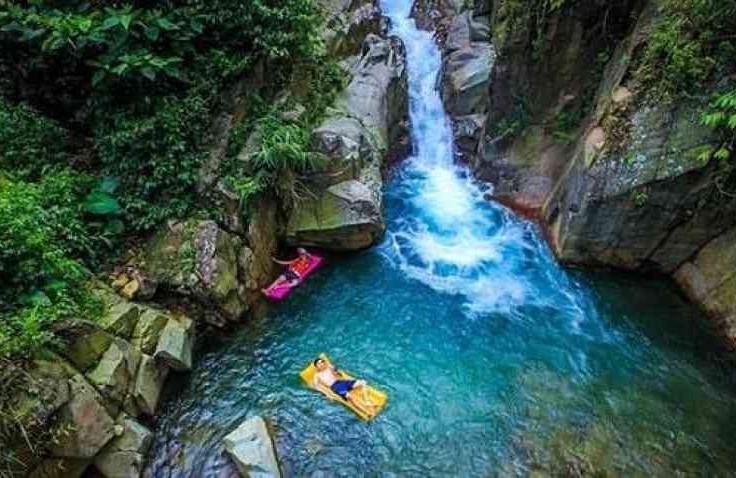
(466, 79)
(251, 448)
(175, 344)
(467, 131)
(262, 236)
(86, 420)
(148, 384)
(123, 457)
(709, 279)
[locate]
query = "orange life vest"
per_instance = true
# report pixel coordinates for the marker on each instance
(300, 266)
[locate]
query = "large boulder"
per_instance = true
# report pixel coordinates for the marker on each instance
(346, 209)
(148, 330)
(709, 278)
(198, 260)
(123, 457)
(251, 448)
(120, 318)
(466, 75)
(346, 216)
(650, 204)
(86, 421)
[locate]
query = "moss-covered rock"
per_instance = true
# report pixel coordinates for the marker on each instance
(198, 260)
(86, 342)
(148, 330)
(346, 210)
(121, 318)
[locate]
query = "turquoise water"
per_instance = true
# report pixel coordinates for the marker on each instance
(497, 361)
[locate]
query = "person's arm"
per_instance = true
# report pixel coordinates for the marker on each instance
(283, 263)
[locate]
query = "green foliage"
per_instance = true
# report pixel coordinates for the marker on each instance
(156, 39)
(134, 88)
(156, 157)
(690, 43)
(29, 141)
(42, 233)
(722, 118)
(640, 198)
(284, 147)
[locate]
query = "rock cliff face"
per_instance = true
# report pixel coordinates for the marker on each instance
(83, 407)
(547, 107)
(346, 210)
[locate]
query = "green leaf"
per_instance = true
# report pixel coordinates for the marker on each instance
(125, 21)
(149, 73)
(152, 33)
(120, 69)
(102, 204)
(110, 22)
(98, 77)
(166, 24)
(31, 34)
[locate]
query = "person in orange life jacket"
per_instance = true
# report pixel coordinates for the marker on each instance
(295, 269)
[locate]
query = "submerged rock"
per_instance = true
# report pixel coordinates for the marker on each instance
(251, 448)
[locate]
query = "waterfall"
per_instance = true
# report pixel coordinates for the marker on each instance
(448, 235)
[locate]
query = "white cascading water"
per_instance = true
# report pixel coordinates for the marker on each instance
(451, 237)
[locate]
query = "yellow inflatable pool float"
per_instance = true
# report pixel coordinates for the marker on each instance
(376, 397)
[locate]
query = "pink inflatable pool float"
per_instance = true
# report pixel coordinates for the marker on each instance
(279, 291)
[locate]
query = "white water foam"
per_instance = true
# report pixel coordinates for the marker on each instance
(450, 237)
